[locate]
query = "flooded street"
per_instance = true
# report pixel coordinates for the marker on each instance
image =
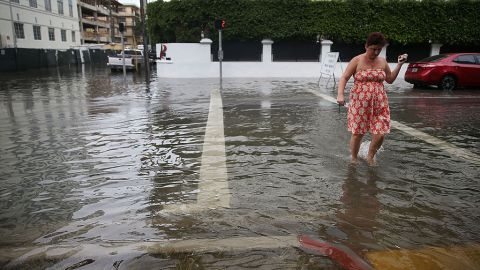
(101, 173)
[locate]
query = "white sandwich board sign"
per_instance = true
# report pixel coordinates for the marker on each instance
(328, 65)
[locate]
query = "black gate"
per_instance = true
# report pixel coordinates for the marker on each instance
(296, 51)
(238, 51)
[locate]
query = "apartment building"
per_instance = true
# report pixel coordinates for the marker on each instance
(39, 24)
(49, 33)
(99, 21)
(130, 15)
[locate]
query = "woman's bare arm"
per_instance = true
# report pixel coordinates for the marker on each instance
(349, 71)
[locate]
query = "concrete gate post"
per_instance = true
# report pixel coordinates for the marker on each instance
(383, 53)
(435, 48)
(267, 50)
(326, 47)
(207, 43)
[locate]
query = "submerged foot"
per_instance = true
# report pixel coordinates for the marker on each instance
(371, 161)
(354, 161)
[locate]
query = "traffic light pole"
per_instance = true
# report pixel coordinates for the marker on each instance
(146, 58)
(220, 55)
(123, 56)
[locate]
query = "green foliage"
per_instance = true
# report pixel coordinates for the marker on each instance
(402, 21)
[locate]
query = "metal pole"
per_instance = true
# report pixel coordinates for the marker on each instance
(146, 61)
(123, 56)
(14, 35)
(220, 55)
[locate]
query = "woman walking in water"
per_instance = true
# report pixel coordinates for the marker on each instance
(368, 110)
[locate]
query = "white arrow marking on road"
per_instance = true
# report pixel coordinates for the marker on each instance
(213, 184)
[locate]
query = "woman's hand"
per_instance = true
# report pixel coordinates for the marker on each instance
(340, 100)
(402, 58)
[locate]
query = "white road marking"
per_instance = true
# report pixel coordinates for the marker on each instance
(443, 145)
(105, 253)
(102, 255)
(214, 191)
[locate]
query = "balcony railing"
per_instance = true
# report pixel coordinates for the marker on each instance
(97, 23)
(102, 37)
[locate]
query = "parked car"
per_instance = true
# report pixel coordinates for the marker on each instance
(447, 71)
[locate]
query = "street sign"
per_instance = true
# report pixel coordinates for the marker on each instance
(328, 67)
(329, 63)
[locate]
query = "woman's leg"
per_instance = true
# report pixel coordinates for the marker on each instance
(377, 140)
(355, 146)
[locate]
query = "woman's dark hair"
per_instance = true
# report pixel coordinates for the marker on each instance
(376, 38)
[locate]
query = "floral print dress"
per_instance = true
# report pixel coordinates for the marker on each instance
(368, 109)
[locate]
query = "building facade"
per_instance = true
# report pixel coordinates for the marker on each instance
(39, 24)
(99, 21)
(130, 15)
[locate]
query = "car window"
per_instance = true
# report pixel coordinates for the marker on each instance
(130, 52)
(465, 59)
(478, 58)
(434, 58)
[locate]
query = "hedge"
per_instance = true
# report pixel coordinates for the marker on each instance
(402, 21)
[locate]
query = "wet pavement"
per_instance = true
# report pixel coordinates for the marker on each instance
(99, 173)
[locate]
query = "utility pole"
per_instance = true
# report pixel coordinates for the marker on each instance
(146, 62)
(112, 23)
(219, 25)
(14, 35)
(121, 28)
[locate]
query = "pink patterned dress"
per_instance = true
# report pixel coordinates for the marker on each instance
(368, 109)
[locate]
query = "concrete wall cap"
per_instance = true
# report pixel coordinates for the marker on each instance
(267, 41)
(327, 42)
(206, 41)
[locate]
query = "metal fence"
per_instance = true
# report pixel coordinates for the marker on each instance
(16, 59)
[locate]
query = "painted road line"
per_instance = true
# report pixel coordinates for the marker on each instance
(443, 145)
(214, 191)
(228, 244)
(102, 255)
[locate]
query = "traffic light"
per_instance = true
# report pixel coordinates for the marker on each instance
(219, 24)
(121, 27)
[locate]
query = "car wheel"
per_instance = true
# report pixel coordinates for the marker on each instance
(418, 85)
(447, 83)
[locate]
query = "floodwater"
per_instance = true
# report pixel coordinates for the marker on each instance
(91, 165)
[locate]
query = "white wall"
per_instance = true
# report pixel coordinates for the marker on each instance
(29, 16)
(251, 70)
(193, 60)
(187, 52)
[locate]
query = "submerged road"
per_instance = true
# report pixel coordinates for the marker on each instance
(100, 174)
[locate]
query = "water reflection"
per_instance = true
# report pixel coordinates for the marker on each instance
(357, 217)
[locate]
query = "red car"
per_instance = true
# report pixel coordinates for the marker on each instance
(447, 71)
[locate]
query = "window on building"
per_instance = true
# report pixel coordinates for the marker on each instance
(48, 5)
(37, 34)
(73, 36)
(60, 6)
(70, 8)
(63, 33)
(33, 3)
(19, 33)
(15, 1)
(51, 34)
